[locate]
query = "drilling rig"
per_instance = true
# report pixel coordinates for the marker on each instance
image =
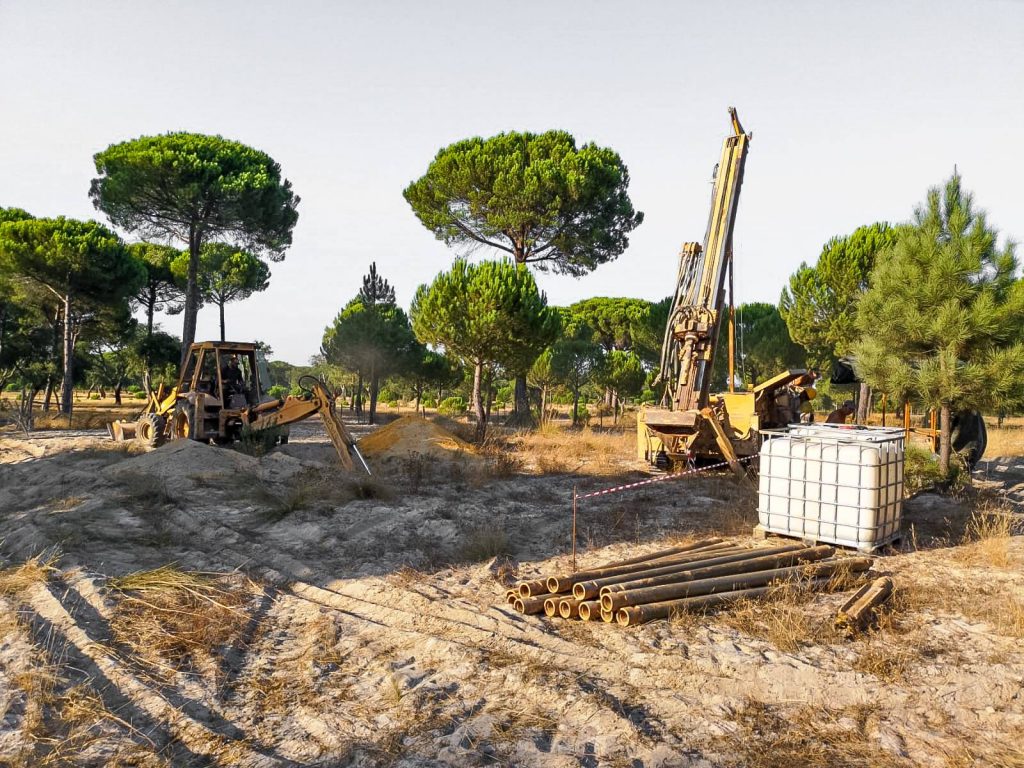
(693, 424)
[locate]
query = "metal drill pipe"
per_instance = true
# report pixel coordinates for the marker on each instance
(569, 608)
(859, 611)
(590, 610)
(511, 595)
(535, 605)
(607, 616)
(558, 584)
(748, 565)
(533, 588)
(614, 601)
(638, 614)
(551, 606)
(586, 590)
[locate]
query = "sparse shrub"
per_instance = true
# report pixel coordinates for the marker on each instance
(483, 544)
(428, 402)
(257, 442)
(140, 396)
(452, 406)
(392, 403)
(921, 472)
(277, 391)
(94, 396)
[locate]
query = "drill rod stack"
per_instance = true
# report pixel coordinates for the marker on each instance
(686, 578)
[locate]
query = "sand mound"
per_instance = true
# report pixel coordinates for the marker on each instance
(414, 435)
(185, 458)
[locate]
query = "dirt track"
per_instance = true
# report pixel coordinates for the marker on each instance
(362, 647)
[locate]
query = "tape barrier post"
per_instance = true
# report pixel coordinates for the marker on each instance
(574, 499)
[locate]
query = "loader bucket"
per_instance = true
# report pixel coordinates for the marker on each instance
(121, 431)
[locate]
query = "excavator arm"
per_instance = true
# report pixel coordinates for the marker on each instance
(317, 400)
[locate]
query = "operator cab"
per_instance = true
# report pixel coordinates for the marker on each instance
(227, 374)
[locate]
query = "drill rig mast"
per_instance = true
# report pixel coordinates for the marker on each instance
(692, 423)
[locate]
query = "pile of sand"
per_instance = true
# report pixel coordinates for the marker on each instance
(185, 459)
(412, 435)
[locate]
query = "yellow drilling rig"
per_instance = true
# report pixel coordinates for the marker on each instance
(692, 423)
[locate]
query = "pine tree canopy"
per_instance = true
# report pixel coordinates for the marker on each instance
(941, 320)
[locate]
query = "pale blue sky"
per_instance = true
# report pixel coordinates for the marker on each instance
(856, 109)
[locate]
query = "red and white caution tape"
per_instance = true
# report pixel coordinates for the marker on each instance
(675, 476)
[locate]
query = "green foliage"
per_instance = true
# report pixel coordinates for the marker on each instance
(225, 274)
(576, 360)
(372, 337)
(623, 373)
(941, 321)
(623, 324)
(161, 291)
(195, 188)
(74, 268)
(452, 406)
(922, 471)
(537, 197)
(820, 304)
(277, 391)
(258, 442)
(485, 314)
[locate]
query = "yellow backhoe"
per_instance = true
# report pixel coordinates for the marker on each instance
(221, 391)
(692, 423)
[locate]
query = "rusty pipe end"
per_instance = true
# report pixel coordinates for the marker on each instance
(551, 606)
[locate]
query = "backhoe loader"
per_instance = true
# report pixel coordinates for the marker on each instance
(692, 423)
(221, 391)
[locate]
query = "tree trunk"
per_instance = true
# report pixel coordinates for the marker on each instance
(374, 385)
(864, 404)
(188, 332)
(575, 405)
(150, 311)
(543, 403)
(117, 391)
(521, 416)
(221, 305)
(478, 405)
(68, 385)
(48, 394)
(357, 398)
(944, 435)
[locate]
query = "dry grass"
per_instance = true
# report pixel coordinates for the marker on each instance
(986, 539)
(559, 450)
(85, 417)
(1005, 441)
(768, 736)
(313, 488)
(36, 570)
(176, 620)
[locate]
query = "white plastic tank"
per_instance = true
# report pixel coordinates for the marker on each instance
(833, 484)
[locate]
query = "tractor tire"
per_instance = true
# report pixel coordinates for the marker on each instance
(183, 422)
(149, 430)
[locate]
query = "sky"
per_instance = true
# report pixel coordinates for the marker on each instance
(856, 110)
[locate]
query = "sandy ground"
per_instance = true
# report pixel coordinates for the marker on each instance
(372, 628)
